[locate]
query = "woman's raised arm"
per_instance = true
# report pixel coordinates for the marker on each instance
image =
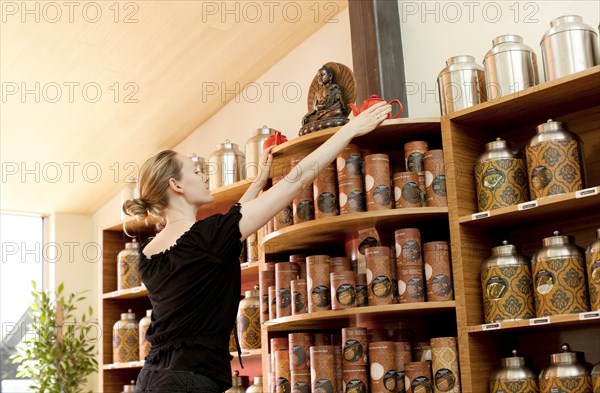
(258, 211)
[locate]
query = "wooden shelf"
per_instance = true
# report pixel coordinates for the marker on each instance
(536, 103)
(391, 133)
(547, 208)
(586, 318)
(332, 229)
(251, 354)
(249, 271)
(354, 316)
(131, 293)
(120, 366)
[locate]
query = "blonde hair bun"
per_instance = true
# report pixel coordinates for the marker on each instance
(137, 208)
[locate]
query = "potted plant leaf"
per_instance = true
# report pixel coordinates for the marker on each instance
(60, 353)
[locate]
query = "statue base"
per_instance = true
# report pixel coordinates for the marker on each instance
(322, 124)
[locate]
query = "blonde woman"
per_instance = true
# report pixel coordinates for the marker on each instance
(191, 268)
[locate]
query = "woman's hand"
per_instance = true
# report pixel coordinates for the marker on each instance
(264, 168)
(367, 120)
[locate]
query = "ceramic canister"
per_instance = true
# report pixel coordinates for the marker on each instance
(513, 376)
(408, 247)
(355, 379)
(565, 374)
(284, 274)
(413, 155)
(299, 297)
(362, 293)
(377, 182)
(406, 190)
(143, 327)
(554, 161)
(285, 217)
(435, 178)
(343, 292)
(506, 285)
(500, 177)
(300, 344)
(417, 377)
(282, 370)
(382, 365)
(126, 339)
(325, 193)
(303, 204)
(266, 279)
(354, 346)
(248, 320)
(444, 364)
(411, 287)
(559, 278)
(379, 275)
(322, 370)
(128, 259)
(317, 270)
(592, 258)
(438, 278)
(300, 381)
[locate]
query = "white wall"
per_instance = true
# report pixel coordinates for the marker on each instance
(278, 98)
(433, 31)
(74, 262)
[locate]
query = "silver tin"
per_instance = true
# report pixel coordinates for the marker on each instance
(254, 148)
(510, 66)
(513, 370)
(461, 84)
(564, 368)
(226, 165)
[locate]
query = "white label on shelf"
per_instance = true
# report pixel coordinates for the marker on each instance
(244, 265)
(112, 366)
(527, 205)
(134, 364)
(491, 326)
(479, 216)
(586, 192)
(589, 315)
(116, 293)
(539, 321)
(136, 289)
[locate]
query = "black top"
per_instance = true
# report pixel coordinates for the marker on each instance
(194, 288)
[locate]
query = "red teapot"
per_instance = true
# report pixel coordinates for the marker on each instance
(372, 101)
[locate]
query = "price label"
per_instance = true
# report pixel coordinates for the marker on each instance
(112, 366)
(589, 315)
(491, 326)
(116, 293)
(136, 289)
(527, 205)
(133, 364)
(539, 321)
(479, 216)
(586, 192)
(245, 265)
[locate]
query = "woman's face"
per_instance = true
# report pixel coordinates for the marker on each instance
(194, 183)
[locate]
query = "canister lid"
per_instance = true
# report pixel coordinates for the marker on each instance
(129, 388)
(565, 356)
(504, 249)
(550, 126)
(507, 43)
(252, 293)
(236, 380)
(128, 315)
(263, 131)
(513, 361)
(499, 143)
(149, 313)
(227, 145)
(460, 59)
(501, 39)
(565, 23)
(556, 240)
(461, 63)
(258, 380)
(132, 244)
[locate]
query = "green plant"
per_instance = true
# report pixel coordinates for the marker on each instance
(59, 354)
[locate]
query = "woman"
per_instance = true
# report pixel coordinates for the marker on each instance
(191, 268)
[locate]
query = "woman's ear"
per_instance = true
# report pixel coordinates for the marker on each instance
(173, 185)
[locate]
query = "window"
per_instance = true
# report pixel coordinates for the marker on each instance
(21, 238)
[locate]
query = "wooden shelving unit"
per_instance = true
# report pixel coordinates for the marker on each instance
(113, 302)
(574, 100)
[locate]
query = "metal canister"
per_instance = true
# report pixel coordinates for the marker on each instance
(559, 278)
(257, 386)
(248, 320)
(126, 343)
(506, 285)
(554, 161)
(513, 376)
(254, 148)
(129, 388)
(226, 165)
(565, 374)
(461, 84)
(510, 66)
(237, 383)
(568, 47)
(128, 260)
(143, 328)
(500, 177)
(592, 258)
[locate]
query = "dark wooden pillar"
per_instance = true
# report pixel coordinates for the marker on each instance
(377, 50)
